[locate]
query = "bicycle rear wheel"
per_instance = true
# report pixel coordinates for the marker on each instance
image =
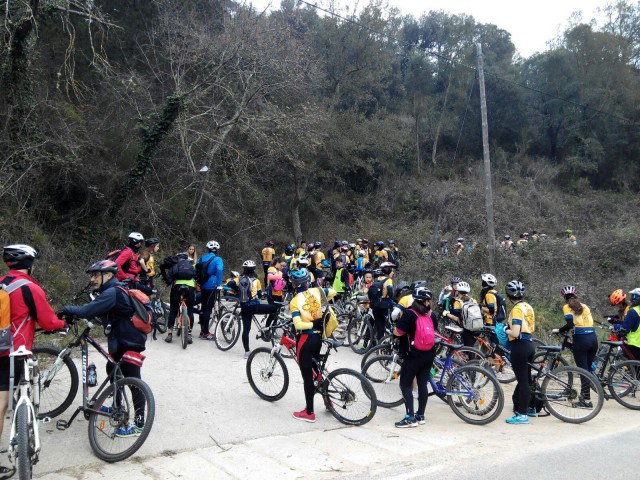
(227, 331)
(349, 396)
(267, 374)
(384, 374)
(561, 392)
(58, 380)
(119, 429)
(383, 348)
(359, 334)
(184, 330)
(26, 442)
(624, 383)
(475, 395)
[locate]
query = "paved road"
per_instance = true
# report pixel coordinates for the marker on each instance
(210, 424)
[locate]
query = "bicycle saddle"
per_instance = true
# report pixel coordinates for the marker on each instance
(22, 351)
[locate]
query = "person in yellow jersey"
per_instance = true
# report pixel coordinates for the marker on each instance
(302, 249)
(268, 254)
(521, 325)
(585, 342)
(571, 238)
(619, 299)
(403, 300)
(147, 262)
(523, 240)
(489, 300)
(276, 282)
(306, 312)
(381, 295)
(231, 289)
(318, 257)
(631, 324)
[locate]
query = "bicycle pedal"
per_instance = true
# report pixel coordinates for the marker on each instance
(45, 420)
(62, 424)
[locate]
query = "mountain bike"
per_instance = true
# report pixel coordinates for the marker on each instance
(347, 394)
(116, 430)
(359, 328)
(472, 391)
(497, 355)
(183, 322)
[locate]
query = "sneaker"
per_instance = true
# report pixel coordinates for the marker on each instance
(304, 416)
(420, 419)
(246, 355)
(209, 336)
(168, 338)
(130, 431)
(584, 404)
(105, 409)
(518, 419)
(407, 422)
(531, 412)
(189, 339)
(202, 336)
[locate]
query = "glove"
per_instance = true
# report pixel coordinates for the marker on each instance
(445, 313)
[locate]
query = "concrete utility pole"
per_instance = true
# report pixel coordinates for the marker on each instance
(488, 192)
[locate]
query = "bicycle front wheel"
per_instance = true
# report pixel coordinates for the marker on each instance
(624, 383)
(383, 348)
(26, 441)
(572, 394)
(359, 334)
(349, 396)
(383, 371)
(58, 380)
(474, 394)
(267, 374)
(121, 419)
(227, 331)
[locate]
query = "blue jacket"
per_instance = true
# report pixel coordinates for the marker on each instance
(214, 271)
(630, 323)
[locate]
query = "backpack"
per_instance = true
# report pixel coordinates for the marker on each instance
(183, 270)
(165, 268)
(202, 271)
(472, 318)
(392, 256)
(6, 339)
(244, 289)
(113, 254)
(375, 292)
(500, 309)
(142, 317)
(425, 337)
(329, 318)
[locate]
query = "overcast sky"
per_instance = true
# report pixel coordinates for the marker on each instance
(531, 23)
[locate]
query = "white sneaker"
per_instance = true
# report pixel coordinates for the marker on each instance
(246, 355)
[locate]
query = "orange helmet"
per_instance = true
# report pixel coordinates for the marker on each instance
(617, 297)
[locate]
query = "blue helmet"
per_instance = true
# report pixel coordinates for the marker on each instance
(288, 250)
(300, 277)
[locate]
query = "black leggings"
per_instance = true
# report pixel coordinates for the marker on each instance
(522, 352)
(207, 301)
(308, 348)
(247, 312)
(380, 321)
(174, 299)
(584, 351)
(468, 337)
(417, 365)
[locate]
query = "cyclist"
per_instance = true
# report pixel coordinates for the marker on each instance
(571, 238)
(488, 299)
(268, 254)
(403, 299)
(463, 290)
(27, 301)
(507, 243)
(232, 290)
(380, 308)
(306, 311)
(416, 327)
(521, 325)
(127, 261)
(193, 255)
(585, 342)
(619, 299)
(523, 240)
(113, 307)
(147, 261)
(380, 255)
(341, 277)
(318, 257)
(179, 275)
(211, 266)
(444, 247)
(631, 324)
(277, 283)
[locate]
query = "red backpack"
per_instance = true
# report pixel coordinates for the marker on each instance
(425, 337)
(143, 312)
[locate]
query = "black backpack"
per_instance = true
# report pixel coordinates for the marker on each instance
(244, 289)
(375, 293)
(500, 309)
(183, 270)
(202, 271)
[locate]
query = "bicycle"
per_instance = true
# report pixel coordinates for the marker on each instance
(471, 391)
(118, 430)
(183, 322)
(497, 355)
(347, 394)
(359, 329)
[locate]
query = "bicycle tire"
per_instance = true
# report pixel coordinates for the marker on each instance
(561, 392)
(341, 396)
(184, 333)
(383, 348)
(559, 361)
(264, 370)
(359, 334)
(26, 442)
(227, 331)
(121, 417)
(340, 333)
(623, 383)
(215, 316)
(58, 392)
(475, 395)
(384, 374)
(502, 368)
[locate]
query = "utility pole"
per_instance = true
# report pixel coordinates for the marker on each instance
(488, 192)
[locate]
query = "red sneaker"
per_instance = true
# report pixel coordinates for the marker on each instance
(304, 416)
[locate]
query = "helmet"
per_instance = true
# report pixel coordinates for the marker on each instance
(507, 237)
(212, 245)
(364, 240)
(423, 244)
(380, 244)
(392, 242)
(249, 265)
(270, 243)
(352, 245)
(460, 239)
(489, 279)
(377, 272)
(235, 274)
(344, 242)
(388, 265)
(103, 266)
(19, 255)
(617, 297)
(514, 289)
(300, 277)
(303, 261)
(344, 248)
(526, 234)
(569, 231)
(455, 280)
(569, 290)
(422, 294)
(151, 241)
(463, 287)
(317, 244)
(445, 241)
(635, 294)
(358, 240)
(135, 237)
(288, 250)
(417, 284)
(402, 286)
(361, 253)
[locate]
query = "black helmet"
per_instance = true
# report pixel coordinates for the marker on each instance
(417, 284)
(151, 241)
(402, 286)
(103, 266)
(423, 244)
(421, 294)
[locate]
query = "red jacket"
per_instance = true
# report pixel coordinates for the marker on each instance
(127, 264)
(47, 318)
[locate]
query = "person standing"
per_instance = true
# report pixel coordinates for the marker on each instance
(381, 307)
(268, 254)
(147, 262)
(631, 324)
(181, 276)
(210, 266)
(127, 261)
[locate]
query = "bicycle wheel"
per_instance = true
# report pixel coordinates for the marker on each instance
(383, 348)
(184, 333)
(340, 333)
(58, 380)
(349, 396)
(561, 393)
(502, 368)
(267, 374)
(359, 334)
(384, 374)
(624, 383)
(119, 429)
(26, 442)
(474, 394)
(227, 331)
(550, 364)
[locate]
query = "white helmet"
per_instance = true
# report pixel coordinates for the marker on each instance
(212, 245)
(249, 264)
(234, 274)
(489, 279)
(463, 287)
(303, 261)
(136, 237)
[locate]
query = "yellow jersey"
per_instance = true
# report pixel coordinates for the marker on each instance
(267, 254)
(306, 307)
(522, 314)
